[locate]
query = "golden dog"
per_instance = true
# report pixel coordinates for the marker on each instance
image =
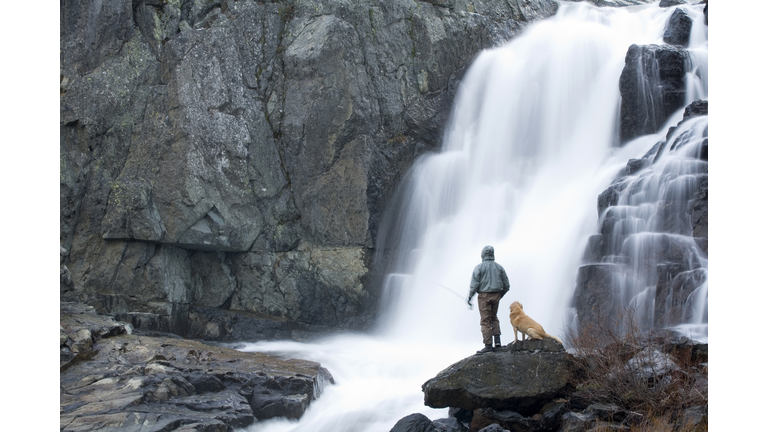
(526, 325)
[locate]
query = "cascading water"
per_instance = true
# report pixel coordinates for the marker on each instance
(655, 252)
(530, 145)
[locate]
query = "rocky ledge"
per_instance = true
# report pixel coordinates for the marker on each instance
(536, 386)
(113, 378)
(523, 377)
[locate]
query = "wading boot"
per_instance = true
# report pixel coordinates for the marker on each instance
(487, 349)
(497, 342)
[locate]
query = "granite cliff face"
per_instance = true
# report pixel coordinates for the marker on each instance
(224, 164)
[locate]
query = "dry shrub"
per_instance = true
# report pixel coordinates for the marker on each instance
(652, 398)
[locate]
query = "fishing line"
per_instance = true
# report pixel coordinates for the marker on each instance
(463, 299)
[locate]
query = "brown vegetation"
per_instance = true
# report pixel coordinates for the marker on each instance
(652, 392)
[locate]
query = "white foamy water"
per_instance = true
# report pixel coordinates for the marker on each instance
(529, 147)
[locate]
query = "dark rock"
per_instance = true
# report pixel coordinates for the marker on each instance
(594, 250)
(594, 296)
(577, 422)
(449, 425)
(414, 423)
(65, 280)
(670, 3)
(635, 165)
(652, 87)
(547, 419)
(704, 152)
(523, 378)
(609, 412)
(460, 414)
(686, 350)
(672, 293)
(609, 197)
(678, 29)
(695, 109)
(667, 248)
(165, 383)
(706, 13)
(700, 209)
(231, 140)
(651, 154)
(700, 353)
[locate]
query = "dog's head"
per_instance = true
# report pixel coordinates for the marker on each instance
(516, 305)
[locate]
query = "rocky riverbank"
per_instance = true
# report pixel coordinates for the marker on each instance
(536, 386)
(112, 378)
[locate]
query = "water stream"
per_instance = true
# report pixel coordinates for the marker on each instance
(531, 143)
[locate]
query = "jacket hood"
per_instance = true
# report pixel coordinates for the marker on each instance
(487, 253)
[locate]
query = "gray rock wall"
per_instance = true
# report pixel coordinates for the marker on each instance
(224, 164)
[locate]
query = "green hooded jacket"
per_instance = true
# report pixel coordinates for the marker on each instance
(488, 276)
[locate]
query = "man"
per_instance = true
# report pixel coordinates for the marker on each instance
(490, 282)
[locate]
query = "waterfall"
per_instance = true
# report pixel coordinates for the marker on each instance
(531, 142)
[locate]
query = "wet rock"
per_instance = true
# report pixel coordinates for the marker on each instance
(414, 423)
(670, 3)
(675, 239)
(678, 28)
(610, 196)
(695, 109)
(594, 298)
(522, 378)
(166, 383)
(449, 425)
(700, 209)
(595, 249)
(652, 87)
(635, 165)
(672, 291)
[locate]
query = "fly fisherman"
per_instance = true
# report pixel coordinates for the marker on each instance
(490, 282)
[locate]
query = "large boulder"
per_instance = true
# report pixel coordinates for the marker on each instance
(678, 28)
(522, 378)
(238, 155)
(118, 380)
(652, 87)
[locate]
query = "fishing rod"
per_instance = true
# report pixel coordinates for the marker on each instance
(452, 292)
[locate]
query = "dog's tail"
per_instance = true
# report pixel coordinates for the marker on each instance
(554, 337)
